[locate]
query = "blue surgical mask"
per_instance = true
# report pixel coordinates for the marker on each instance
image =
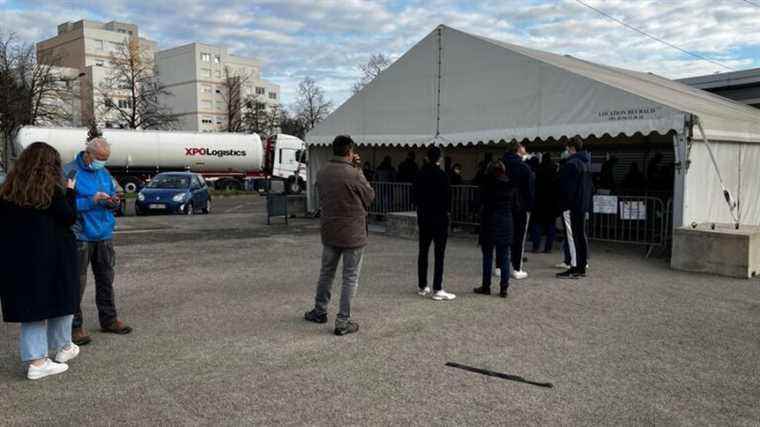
(97, 164)
(565, 154)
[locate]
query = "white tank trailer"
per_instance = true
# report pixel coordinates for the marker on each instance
(225, 158)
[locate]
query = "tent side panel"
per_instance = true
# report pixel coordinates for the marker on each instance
(318, 157)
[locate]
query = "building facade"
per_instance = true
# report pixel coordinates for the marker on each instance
(88, 46)
(197, 74)
(741, 86)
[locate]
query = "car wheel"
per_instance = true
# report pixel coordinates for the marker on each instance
(207, 209)
(189, 210)
(131, 184)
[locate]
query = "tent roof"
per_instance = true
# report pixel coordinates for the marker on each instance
(469, 89)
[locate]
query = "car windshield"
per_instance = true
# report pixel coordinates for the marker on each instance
(169, 181)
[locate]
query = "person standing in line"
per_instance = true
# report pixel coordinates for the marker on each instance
(456, 175)
(408, 169)
(432, 197)
(524, 181)
(543, 218)
(498, 196)
(38, 258)
(96, 201)
(575, 182)
(344, 197)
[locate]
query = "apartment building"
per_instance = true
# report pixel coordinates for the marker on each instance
(87, 46)
(196, 73)
(741, 86)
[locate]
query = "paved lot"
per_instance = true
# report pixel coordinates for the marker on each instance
(217, 301)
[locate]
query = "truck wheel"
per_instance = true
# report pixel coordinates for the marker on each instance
(131, 184)
(292, 186)
(228, 184)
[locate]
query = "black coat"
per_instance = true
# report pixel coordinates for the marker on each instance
(432, 197)
(498, 196)
(576, 186)
(546, 209)
(38, 260)
(523, 179)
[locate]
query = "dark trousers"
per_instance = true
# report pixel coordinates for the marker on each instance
(502, 261)
(520, 221)
(538, 229)
(575, 235)
(437, 235)
(102, 258)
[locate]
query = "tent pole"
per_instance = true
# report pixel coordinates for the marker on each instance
(726, 194)
(679, 182)
(438, 85)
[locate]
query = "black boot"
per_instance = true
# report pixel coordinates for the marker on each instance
(482, 290)
(503, 292)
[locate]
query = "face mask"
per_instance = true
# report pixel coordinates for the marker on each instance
(97, 164)
(565, 154)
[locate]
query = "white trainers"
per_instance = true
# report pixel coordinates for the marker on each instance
(496, 272)
(443, 296)
(67, 353)
(47, 369)
(519, 275)
(562, 266)
(424, 292)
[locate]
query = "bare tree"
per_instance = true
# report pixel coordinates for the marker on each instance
(311, 105)
(376, 64)
(33, 91)
(273, 119)
(132, 92)
(290, 124)
(232, 93)
(254, 115)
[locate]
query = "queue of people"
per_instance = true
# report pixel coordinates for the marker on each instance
(60, 221)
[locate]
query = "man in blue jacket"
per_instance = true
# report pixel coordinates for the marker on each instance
(575, 181)
(96, 199)
(524, 179)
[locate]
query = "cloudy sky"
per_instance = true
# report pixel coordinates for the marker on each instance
(328, 39)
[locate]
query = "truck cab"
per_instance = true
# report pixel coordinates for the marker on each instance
(285, 159)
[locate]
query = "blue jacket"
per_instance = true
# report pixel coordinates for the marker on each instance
(523, 178)
(576, 183)
(95, 221)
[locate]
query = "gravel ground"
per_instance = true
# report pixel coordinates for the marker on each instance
(219, 339)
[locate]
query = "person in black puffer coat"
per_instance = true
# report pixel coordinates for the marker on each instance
(498, 198)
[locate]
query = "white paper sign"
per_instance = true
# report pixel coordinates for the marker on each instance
(605, 204)
(635, 210)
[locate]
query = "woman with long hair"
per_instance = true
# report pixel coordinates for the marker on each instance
(498, 199)
(38, 259)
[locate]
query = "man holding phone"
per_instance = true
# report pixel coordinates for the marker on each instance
(96, 200)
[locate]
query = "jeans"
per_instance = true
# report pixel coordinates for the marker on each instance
(438, 236)
(520, 221)
(102, 258)
(39, 337)
(502, 261)
(352, 266)
(537, 229)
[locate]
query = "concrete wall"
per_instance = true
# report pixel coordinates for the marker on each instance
(723, 251)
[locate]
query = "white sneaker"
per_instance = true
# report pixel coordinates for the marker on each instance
(496, 272)
(443, 296)
(562, 266)
(519, 275)
(424, 292)
(47, 369)
(67, 353)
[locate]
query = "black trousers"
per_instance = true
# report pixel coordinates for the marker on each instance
(102, 258)
(520, 221)
(577, 243)
(436, 234)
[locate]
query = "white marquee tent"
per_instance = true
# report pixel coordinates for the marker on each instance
(456, 88)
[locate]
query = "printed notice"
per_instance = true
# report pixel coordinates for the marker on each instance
(605, 204)
(634, 210)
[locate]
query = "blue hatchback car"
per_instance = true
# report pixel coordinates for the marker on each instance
(174, 192)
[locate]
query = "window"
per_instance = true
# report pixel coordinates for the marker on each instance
(206, 57)
(248, 90)
(205, 89)
(99, 44)
(124, 103)
(218, 74)
(206, 105)
(219, 122)
(116, 47)
(205, 72)
(260, 91)
(218, 91)
(217, 59)
(272, 95)
(99, 63)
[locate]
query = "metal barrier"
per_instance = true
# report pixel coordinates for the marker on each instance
(640, 220)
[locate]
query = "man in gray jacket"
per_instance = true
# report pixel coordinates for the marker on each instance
(344, 198)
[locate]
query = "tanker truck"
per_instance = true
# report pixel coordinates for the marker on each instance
(224, 159)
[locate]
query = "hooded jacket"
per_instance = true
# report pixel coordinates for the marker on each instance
(575, 183)
(523, 178)
(95, 221)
